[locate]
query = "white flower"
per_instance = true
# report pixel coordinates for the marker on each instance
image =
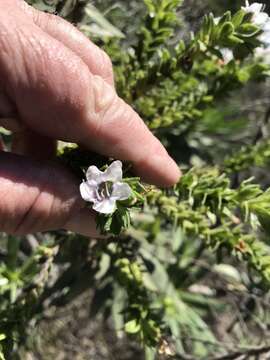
(263, 54)
(227, 55)
(265, 36)
(104, 188)
(259, 17)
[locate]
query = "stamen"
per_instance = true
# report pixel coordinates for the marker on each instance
(103, 191)
(107, 190)
(98, 195)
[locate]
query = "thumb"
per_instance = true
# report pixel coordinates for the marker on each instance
(40, 197)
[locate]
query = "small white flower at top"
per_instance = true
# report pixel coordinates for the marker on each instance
(104, 188)
(265, 36)
(259, 17)
(263, 54)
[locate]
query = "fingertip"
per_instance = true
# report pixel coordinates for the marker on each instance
(159, 170)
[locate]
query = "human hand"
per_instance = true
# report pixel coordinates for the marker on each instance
(57, 85)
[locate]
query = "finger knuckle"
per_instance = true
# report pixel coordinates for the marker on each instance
(106, 65)
(31, 215)
(104, 97)
(44, 20)
(113, 118)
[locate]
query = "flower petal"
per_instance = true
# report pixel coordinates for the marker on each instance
(266, 27)
(263, 54)
(88, 191)
(121, 191)
(94, 175)
(265, 38)
(114, 172)
(106, 206)
(260, 19)
(227, 55)
(253, 8)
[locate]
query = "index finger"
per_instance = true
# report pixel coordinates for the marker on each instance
(57, 96)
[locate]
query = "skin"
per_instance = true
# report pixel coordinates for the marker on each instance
(57, 85)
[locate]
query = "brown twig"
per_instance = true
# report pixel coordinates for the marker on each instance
(245, 354)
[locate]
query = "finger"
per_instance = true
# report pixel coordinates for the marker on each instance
(8, 114)
(7, 108)
(37, 196)
(24, 141)
(57, 96)
(33, 145)
(96, 59)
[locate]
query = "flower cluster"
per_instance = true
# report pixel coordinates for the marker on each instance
(104, 188)
(260, 19)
